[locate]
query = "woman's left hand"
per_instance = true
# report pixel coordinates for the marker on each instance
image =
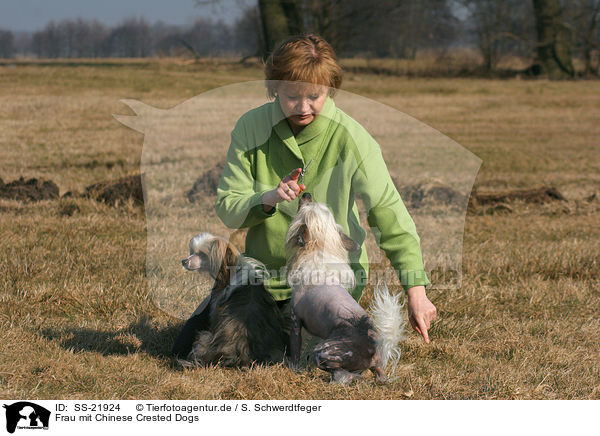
(287, 190)
(421, 311)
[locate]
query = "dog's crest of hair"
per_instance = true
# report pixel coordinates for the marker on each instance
(226, 264)
(323, 255)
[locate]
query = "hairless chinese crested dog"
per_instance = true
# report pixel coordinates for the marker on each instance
(319, 274)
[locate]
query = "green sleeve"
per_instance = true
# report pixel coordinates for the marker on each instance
(392, 225)
(238, 203)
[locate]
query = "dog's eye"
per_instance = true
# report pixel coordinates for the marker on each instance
(202, 257)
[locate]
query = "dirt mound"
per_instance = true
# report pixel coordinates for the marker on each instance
(490, 209)
(430, 194)
(29, 190)
(206, 184)
(68, 208)
(117, 192)
(594, 196)
(538, 195)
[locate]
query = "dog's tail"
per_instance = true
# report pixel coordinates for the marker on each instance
(388, 318)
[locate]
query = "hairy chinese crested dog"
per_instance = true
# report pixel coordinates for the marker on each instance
(319, 273)
(239, 323)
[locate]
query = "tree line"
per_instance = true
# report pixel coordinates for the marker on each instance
(553, 31)
(548, 30)
(133, 38)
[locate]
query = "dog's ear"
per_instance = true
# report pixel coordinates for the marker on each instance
(300, 236)
(223, 257)
(347, 241)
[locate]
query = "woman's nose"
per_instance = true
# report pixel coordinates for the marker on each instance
(303, 106)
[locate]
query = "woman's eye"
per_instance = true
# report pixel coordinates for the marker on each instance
(313, 97)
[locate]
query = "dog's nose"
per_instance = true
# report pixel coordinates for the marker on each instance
(305, 199)
(184, 262)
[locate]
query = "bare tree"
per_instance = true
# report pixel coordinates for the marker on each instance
(500, 27)
(584, 17)
(132, 38)
(555, 40)
(280, 19)
(7, 48)
(46, 43)
(207, 38)
(383, 28)
(23, 43)
(82, 38)
(248, 36)
(167, 39)
(69, 39)
(89, 38)
(397, 28)
(342, 22)
(420, 24)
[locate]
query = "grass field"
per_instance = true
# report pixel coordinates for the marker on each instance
(77, 318)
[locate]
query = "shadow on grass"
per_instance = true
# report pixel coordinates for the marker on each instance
(139, 336)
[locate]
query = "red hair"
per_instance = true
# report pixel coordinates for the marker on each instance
(304, 58)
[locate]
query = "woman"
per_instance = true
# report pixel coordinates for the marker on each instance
(303, 130)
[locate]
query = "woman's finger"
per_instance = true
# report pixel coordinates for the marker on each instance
(291, 190)
(284, 194)
(294, 175)
(425, 335)
(423, 326)
(294, 187)
(286, 187)
(414, 324)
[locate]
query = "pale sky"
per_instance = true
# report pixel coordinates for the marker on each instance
(32, 15)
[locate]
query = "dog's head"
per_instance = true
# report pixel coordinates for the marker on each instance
(212, 254)
(314, 229)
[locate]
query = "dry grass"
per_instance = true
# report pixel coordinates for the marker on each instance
(78, 318)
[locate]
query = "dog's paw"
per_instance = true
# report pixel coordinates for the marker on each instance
(295, 367)
(344, 378)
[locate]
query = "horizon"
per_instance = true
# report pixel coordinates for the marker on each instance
(28, 16)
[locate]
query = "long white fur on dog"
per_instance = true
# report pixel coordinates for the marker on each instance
(317, 269)
(387, 318)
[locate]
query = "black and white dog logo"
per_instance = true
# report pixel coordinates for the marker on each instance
(26, 415)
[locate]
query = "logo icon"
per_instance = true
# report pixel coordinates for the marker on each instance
(26, 415)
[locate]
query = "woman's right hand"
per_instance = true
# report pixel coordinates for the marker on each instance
(288, 190)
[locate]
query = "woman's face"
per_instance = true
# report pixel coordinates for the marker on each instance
(301, 103)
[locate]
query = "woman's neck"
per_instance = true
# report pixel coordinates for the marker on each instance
(294, 128)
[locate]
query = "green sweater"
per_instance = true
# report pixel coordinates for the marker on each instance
(347, 162)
